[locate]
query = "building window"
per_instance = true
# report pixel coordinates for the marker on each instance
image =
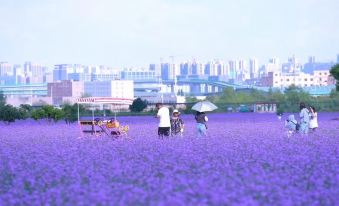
(287, 80)
(311, 79)
(305, 80)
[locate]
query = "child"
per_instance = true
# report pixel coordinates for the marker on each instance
(314, 119)
(291, 125)
(177, 124)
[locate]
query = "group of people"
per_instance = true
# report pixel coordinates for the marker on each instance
(308, 120)
(174, 125)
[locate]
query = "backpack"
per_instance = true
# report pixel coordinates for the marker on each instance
(297, 126)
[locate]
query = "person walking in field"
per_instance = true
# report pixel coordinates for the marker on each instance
(201, 120)
(304, 118)
(314, 119)
(177, 124)
(164, 120)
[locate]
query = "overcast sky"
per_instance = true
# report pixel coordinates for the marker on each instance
(139, 32)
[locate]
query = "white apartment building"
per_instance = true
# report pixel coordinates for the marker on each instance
(115, 88)
(318, 78)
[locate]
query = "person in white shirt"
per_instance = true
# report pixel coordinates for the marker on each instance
(163, 114)
(314, 119)
(304, 119)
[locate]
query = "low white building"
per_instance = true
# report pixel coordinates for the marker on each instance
(279, 79)
(33, 101)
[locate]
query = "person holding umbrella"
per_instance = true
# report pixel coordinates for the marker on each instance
(200, 116)
(202, 120)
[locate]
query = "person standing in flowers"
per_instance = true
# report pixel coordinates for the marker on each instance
(291, 125)
(164, 120)
(314, 119)
(177, 124)
(304, 118)
(201, 120)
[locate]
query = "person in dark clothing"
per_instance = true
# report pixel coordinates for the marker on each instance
(201, 120)
(177, 124)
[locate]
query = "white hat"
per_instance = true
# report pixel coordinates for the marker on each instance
(176, 111)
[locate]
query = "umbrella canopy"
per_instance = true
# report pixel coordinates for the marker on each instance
(204, 106)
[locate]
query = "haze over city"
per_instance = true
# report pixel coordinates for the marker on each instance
(136, 33)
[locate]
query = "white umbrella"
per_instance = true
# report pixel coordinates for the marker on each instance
(204, 106)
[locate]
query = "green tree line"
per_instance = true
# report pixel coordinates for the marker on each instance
(67, 112)
(9, 114)
(287, 101)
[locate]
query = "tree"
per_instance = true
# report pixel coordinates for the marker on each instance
(2, 99)
(293, 96)
(25, 111)
(38, 114)
(58, 114)
(71, 112)
(49, 111)
(138, 105)
(335, 73)
(191, 99)
(8, 113)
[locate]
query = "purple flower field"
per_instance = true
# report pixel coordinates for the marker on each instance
(245, 160)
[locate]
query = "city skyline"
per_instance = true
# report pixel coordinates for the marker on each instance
(129, 33)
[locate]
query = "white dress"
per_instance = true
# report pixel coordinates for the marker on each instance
(314, 120)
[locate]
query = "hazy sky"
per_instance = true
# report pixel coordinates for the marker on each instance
(136, 33)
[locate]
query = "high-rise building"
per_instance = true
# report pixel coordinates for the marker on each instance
(292, 66)
(61, 72)
(222, 69)
(156, 68)
(197, 68)
(6, 73)
(311, 59)
(274, 60)
(338, 58)
(37, 73)
(169, 71)
(186, 68)
(254, 68)
(273, 65)
(6, 69)
(210, 69)
(243, 72)
(233, 69)
(216, 68)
